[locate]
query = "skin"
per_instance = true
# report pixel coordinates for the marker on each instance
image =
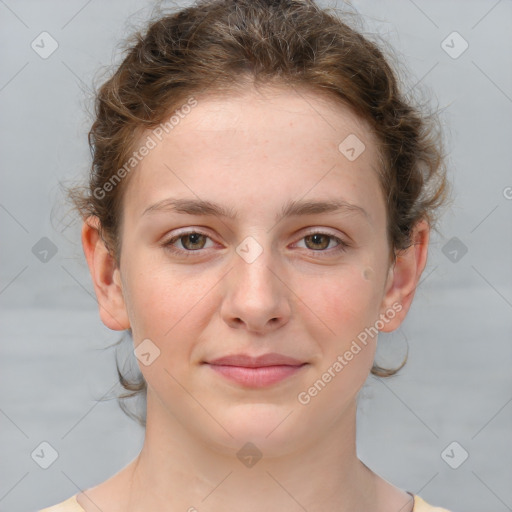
(253, 152)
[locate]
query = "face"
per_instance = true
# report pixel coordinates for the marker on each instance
(309, 283)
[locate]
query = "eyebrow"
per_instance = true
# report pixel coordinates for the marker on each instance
(292, 208)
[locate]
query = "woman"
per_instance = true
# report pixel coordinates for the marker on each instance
(259, 208)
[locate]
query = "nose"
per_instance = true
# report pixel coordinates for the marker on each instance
(256, 295)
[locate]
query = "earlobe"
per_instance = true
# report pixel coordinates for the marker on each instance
(404, 276)
(105, 276)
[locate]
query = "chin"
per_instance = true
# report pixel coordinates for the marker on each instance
(269, 427)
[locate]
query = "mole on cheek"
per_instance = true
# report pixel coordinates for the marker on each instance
(367, 273)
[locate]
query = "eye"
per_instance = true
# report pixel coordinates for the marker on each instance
(319, 242)
(191, 241)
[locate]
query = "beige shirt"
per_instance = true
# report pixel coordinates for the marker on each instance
(71, 505)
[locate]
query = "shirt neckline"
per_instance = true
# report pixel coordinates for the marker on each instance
(409, 493)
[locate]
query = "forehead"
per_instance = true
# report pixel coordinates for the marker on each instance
(266, 110)
(271, 141)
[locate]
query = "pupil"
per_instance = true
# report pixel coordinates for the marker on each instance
(317, 239)
(192, 240)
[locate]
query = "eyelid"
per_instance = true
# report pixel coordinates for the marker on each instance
(321, 231)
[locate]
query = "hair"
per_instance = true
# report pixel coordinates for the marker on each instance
(221, 46)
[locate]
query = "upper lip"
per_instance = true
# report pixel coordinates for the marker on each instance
(248, 361)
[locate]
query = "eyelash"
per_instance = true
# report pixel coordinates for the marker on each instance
(341, 247)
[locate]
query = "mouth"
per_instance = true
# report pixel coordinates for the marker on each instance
(256, 372)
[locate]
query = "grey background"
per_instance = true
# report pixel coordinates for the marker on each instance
(456, 385)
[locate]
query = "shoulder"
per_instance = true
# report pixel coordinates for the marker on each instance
(69, 505)
(420, 505)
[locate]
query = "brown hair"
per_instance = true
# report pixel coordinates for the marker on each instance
(219, 45)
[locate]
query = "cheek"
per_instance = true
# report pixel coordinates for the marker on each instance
(163, 306)
(170, 312)
(347, 306)
(349, 300)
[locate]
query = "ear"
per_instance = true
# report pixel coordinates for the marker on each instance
(403, 278)
(106, 277)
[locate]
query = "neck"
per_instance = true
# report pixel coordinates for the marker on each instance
(177, 471)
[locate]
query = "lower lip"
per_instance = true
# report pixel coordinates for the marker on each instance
(256, 377)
